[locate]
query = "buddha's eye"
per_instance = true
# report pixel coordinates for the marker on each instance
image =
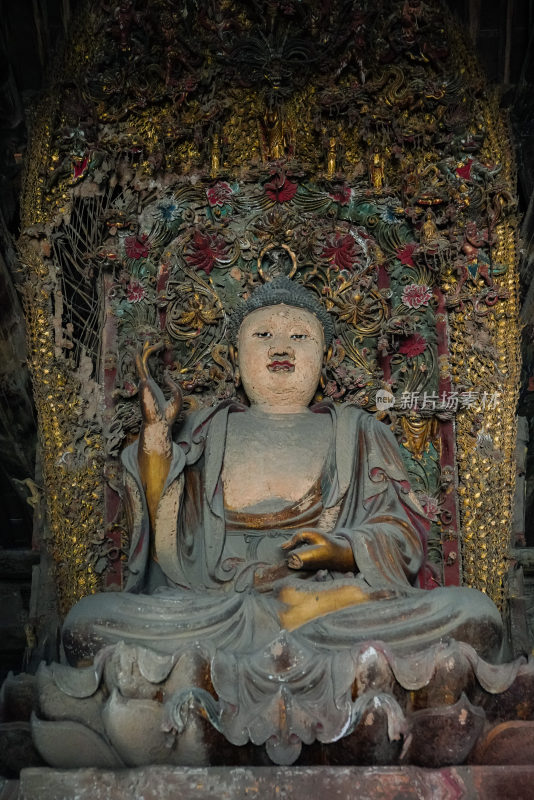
(262, 334)
(299, 336)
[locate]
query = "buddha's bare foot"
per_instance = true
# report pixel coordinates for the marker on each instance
(305, 605)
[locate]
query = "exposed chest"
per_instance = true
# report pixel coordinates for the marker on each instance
(271, 461)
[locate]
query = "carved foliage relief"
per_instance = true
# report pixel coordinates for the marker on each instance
(183, 156)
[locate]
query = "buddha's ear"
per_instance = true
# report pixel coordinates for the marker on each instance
(232, 352)
(328, 354)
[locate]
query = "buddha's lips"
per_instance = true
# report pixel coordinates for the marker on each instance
(281, 366)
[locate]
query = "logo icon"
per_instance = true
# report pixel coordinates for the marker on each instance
(384, 400)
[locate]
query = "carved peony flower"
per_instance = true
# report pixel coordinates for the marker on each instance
(341, 195)
(341, 251)
(387, 213)
(413, 346)
(196, 311)
(205, 249)
(219, 194)
(136, 246)
(135, 292)
(280, 189)
(416, 295)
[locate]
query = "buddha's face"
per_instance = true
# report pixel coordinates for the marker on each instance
(280, 354)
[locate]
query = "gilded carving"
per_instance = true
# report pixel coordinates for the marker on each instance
(369, 154)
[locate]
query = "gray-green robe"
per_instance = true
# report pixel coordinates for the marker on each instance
(202, 589)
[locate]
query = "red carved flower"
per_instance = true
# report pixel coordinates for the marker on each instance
(135, 292)
(465, 170)
(413, 346)
(280, 189)
(416, 295)
(341, 195)
(136, 246)
(205, 250)
(341, 251)
(219, 194)
(404, 254)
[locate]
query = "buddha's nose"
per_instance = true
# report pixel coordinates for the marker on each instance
(281, 348)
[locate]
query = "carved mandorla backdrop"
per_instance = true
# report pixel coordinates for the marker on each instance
(185, 153)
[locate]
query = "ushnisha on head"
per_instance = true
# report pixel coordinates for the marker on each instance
(282, 334)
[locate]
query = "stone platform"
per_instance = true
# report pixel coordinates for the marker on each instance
(274, 783)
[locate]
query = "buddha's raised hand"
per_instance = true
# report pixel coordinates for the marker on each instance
(154, 407)
(319, 551)
(154, 453)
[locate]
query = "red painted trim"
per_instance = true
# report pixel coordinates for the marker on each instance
(451, 542)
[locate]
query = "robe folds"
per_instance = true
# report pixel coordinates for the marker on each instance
(213, 578)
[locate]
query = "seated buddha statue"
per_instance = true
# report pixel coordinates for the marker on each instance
(276, 516)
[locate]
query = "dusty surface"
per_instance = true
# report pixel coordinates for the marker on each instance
(289, 783)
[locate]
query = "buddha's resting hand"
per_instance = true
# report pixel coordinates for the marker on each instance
(154, 408)
(319, 551)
